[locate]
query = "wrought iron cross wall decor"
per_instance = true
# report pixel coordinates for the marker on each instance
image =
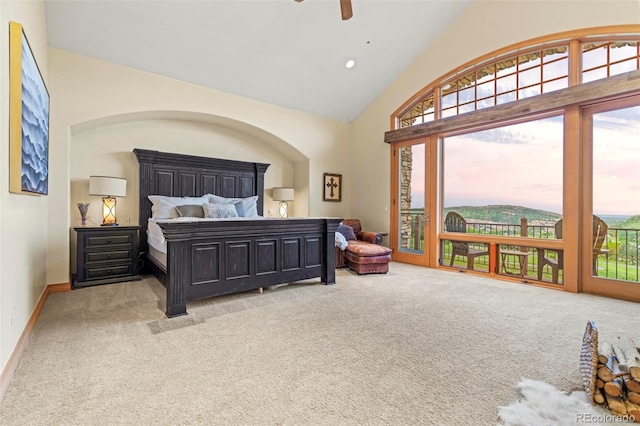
(332, 187)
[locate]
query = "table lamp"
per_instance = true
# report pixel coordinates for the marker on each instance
(283, 195)
(110, 187)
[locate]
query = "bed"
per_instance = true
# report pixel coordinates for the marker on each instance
(212, 257)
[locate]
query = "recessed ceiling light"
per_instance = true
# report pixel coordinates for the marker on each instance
(350, 63)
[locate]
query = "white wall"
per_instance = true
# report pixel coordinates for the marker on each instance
(483, 27)
(97, 103)
(23, 218)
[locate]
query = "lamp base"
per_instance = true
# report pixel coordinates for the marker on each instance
(283, 209)
(109, 211)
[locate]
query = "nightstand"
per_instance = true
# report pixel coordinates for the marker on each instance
(106, 254)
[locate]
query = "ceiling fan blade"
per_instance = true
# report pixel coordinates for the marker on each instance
(345, 8)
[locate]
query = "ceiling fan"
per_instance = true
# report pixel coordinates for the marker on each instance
(345, 9)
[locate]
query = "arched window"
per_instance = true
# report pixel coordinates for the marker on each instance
(534, 148)
(520, 73)
(606, 59)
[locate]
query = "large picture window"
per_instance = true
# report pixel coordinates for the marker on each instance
(538, 189)
(508, 180)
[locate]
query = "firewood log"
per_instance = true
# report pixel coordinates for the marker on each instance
(605, 374)
(598, 396)
(616, 404)
(633, 410)
(614, 387)
(633, 397)
(628, 356)
(632, 385)
(605, 350)
(599, 383)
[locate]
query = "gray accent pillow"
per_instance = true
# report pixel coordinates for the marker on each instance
(190, 210)
(347, 231)
(219, 211)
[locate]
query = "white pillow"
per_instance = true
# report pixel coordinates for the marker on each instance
(219, 211)
(164, 207)
(246, 207)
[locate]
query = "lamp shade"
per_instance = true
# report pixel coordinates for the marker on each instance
(106, 185)
(283, 194)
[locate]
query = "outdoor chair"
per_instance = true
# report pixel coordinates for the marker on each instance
(456, 223)
(555, 264)
(599, 234)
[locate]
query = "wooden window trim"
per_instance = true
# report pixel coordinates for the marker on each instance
(584, 94)
(571, 38)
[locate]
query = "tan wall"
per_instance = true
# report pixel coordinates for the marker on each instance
(484, 26)
(107, 151)
(23, 218)
(102, 110)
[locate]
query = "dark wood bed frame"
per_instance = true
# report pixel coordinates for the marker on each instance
(212, 258)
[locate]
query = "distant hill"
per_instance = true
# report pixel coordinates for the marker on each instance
(632, 222)
(505, 214)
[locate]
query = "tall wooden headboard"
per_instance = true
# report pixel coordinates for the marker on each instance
(177, 175)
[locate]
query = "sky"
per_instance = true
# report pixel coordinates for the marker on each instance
(522, 165)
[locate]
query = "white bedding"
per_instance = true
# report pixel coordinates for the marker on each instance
(155, 238)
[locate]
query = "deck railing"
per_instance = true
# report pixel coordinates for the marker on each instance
(621, 262)
(621, 259)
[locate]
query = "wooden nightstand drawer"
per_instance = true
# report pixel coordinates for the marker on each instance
(106, 240)
(109, 271)
(102, 256)
(106, 255)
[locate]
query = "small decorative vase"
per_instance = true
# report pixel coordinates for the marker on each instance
(83, 207)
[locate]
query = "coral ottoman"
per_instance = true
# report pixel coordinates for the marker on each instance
(367, 258)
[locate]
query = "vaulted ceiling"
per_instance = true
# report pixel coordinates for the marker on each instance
(284, 52)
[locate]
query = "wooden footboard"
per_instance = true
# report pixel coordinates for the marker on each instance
(212, 258)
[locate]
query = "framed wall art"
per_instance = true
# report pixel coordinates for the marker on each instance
(332, 187)
(28, 118)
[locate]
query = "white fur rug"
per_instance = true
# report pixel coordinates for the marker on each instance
(542, 404)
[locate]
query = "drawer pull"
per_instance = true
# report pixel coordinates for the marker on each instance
(108, 271)
(109, 240)
(108, 256)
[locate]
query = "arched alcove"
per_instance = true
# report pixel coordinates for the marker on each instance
(105, 146)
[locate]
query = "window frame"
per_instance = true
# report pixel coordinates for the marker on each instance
(573, 40)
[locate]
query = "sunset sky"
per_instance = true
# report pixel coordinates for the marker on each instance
(522, 165)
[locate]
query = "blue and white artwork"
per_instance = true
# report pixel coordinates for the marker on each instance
(35, 125)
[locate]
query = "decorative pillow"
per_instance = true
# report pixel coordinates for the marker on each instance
(219, 211)
(347, 231)
(164, 207)
(246, 207)
(190, 210)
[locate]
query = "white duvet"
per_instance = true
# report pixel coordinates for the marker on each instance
(155, 237)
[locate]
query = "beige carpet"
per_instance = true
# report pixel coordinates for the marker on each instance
(415, 346)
